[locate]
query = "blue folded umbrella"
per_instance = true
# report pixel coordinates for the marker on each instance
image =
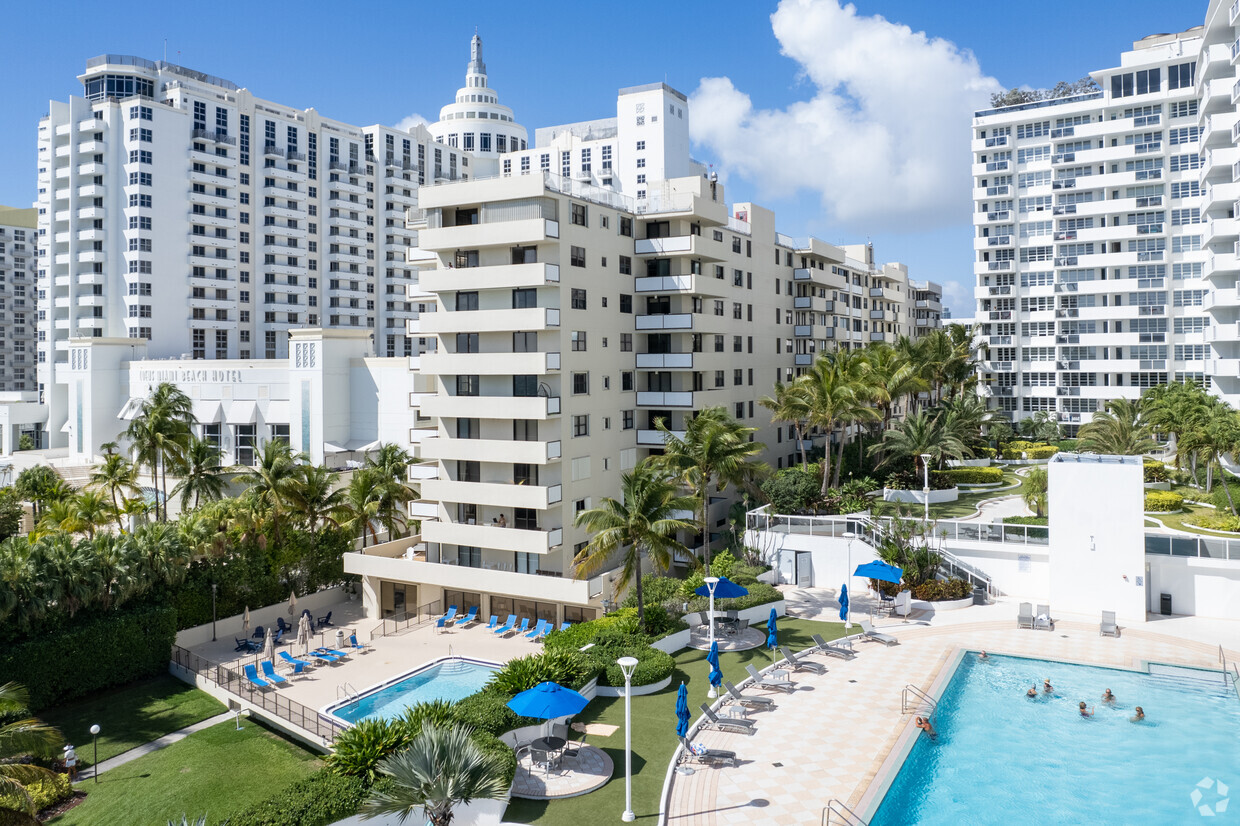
(712, 657)
(879, 570)
(844, 602)
(724, 589)
(547, 700)
(772, 632)
(682, 711)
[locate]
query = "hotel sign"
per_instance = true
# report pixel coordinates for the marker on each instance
(184, 375)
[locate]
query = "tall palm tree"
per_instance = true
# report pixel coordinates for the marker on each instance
(715, 448)
(441, 769)
(40, 486)
(833, 396)
(160, 432)
(1174, 409)
(1040, 427)
(60, 517)
(1121, 429)
(643, 520)
(921, 434)
(118, 477)
(1034, 490)
(274, 479)
(391, 463)
(18, 738)
(891, 376)
(359, 510)
(790, 404)
(316, 498)
(202, 475)
(964, 417)
(854, 363)
(93, 510)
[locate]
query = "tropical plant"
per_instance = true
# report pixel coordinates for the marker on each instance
(60, 517)
(40, 485)
(1040, 427)
(92, 509)
(891, 376)
(159, 434)
(567, 667)
(1034, 490)
(1121, 430)
(316, 498)
(714, 449)
(359, 749)
(118, 477)
(10, 513)
(835, 393)
(202, 474)
(789, 404)
(273, 480)
(642, 521)
(904, 543)
(360, 504)
(921, 434)
(441, 769)
(21, 736)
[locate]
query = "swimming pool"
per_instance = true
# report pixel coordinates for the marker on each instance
(448, 679)
(1002, 757)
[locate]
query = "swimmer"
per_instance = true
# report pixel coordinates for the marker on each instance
(1108, 697)
(1139, 716)
(1033, 691)
(924, 724)
(1047, 688)
(1085, 712)
(983, 656)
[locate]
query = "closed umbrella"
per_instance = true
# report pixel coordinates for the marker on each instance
(292, 602)
(772, 631)
(269, 648)
(303, 633)
(716, 676)
(844, 606)
(682, 711)
(546, 701)
(245, 621)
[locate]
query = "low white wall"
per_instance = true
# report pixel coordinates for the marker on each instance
(672, 642)
(1200, 587)
(755, 615)
(919, 496)
(638, 690)
(231, 626)
(1017, 571)
(1158, 485)
(983, 462)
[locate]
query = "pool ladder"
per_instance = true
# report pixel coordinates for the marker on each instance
(351, 694)
(836, 812)
(913, 698)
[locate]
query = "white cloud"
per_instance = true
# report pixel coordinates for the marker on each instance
(409, 121)
(883, 140)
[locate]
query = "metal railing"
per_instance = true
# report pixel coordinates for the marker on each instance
(273, 702)
(949, 530)
(1202, 547)
(408, 620)
(836, 812)
(913, 698)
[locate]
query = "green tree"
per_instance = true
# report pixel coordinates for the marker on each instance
(93, 510)
(1040, 427)
(834, 394)
(10, 513)
(359, 509)
(642, 521)
(921, 434)
(391, 464)
(1034, 490)
(316, 498)
(40, 485)
(715, 449)
(441, 769)
(159, 435)
(789, 404)
(1120, 430)
(274, 481)
(202, 475)
(25, 442)
(118, 477)
(892, 376)
(22, 736)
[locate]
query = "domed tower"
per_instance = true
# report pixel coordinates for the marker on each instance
(476, 121)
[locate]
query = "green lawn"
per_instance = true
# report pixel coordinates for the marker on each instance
(967, 504)
(215, 771)
(1189, 514)
(131, 715)
(654, 733)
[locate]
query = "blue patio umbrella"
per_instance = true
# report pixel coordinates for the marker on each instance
(682, 711)
(772, 632)
(546, 701)
(879, 570)
(724, 589)
(712, 657)
(844, 602)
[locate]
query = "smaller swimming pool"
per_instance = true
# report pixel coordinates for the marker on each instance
(447, 679)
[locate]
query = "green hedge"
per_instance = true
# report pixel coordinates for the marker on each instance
(1163, 501)
(1219, 521)
(974, 475)
(96, 653)
(46, 791)
(1028, 450)
(323, 797)
(1154, 471)
(1026, 520)
(653, 665)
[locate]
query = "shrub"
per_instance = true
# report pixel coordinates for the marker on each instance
(623, 621)
(1019, 449)
(1066, 445)
(323, 797)
(760, 593)
(653, 665)
(491, 745)
(973, 475)
(940, 590)
(566, 667)
(1221, 521)
(46, 791)
(792, 490)
(655, 589)
(1163, 501)
(1026, 520)
(915, 480)
(1042, 452)
(438, 712)
(10, 513)
(487, 713)
(1154, 472)
(987, 452)
(358, 750)
(1218, 497)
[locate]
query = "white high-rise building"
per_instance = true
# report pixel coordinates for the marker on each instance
(1106, 230)
(18, 296)
(475, 120)
(178, 209)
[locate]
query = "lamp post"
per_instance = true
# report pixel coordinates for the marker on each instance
(925, 464)
(712, 582)
(94, 766)
(850, 536)
(214, 587)
(627, 664)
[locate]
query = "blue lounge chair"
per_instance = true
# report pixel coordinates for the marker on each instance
(538, 630)
(564, 626)
(251, 674)
(322, 654)
(491, 626)
(327, 620)
(443, 621)
(299, 666)
(472, 616)
(524, 626)
(354, 644)
(269, 671)
(507, 626)
(335, 652)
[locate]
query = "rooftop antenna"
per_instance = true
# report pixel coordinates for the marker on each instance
(165, 50)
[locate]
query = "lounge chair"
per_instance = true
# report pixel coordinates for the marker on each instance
(538, 631)
(269, 671)
(507, 626)
(354, 644)
(325, 621)
(564, 626)
(1043, 618)
(244, 645)
(869, 633)
(472, 616)
(834, 649)
(323, 655)
(715, 721)
(798, 665)
(522, 628)
(1108, 628)
(701, 754)
(748, 699)
(278, 637)
(1024, 617)
(447, 618)
(335, 652)
(762, 681)
(299, 666)
(251, 674)
(493, 623)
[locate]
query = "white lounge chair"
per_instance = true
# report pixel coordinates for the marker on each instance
(715, 721)
(766, 682)
(748, 700)
(799, 665)
(1043, 618)
(867, 631)
(1024, 618)
(836, 649)
(1108, 628)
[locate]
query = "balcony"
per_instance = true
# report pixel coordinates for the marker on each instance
(665, 399)
(504, 233)
(491, 321)
(502, 277)
(664, 284)
(803, 302)
(656, 437)
(497, 494)
(662, 246)
(665, 361)
(489, 536)
(491, 407)
(803, 359)
(667, 321)
(492, 450)
(802, 274)
(490, 364)
(457, 577)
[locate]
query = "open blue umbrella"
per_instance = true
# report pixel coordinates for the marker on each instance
(724, 589)
(844, 602)
(546, 701)
(772, 632)
(712, 657)
(879, 570)
(682, 711)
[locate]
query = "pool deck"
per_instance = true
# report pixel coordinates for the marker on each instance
(830, 738)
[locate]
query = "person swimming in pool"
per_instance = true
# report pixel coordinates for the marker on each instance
(1139, 716)
(1085, 712)
(983, 656)
(1108, 697)
(1047, 688)
(925, 725)
(1033, 691)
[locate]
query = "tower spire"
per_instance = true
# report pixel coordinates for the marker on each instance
(476, 66)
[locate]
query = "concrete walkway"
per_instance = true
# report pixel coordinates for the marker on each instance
(146, 748)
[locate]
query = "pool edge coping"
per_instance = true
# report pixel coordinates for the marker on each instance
(327, 710)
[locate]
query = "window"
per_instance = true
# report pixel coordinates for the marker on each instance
(466, 301)
(468, 429)
(525, 430)
(578, 299)
(626, 226)
(465, 342)
(577, 256)
(626, 342)
(467, 385)
(525, 386)
(626, 381)
(581, 426)
(579, 215)
(524, 298)
(468, 471)
(626, 265)
(578, 340)
(581, 384)
(525, 342)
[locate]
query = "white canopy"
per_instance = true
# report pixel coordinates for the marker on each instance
(275, 411)
(353, 446)
(206, 411)
(242, 412)
(130, 409)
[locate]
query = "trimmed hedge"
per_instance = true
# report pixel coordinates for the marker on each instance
(323, 797)
(1028, 450)
(1154, 471)
(1043, 521)
(1221, 521)
(1163, 501)
(939, 590)
(653, 665)
(974, 475)
(46, 791)
(100, 652)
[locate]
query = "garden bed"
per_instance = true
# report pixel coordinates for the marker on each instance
(944, 605)
(937, 497)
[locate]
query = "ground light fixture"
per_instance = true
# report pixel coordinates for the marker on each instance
(94, 736)
(627, 664)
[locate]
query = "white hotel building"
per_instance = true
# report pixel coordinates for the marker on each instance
(1106, 231)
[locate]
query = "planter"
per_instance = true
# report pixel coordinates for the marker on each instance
(983, 462)
(638, 690)
(1211, 530)
(983, 486)
(1167, 513)
(919, 497)
(1158, 485)
(944, 605)
(672, 642)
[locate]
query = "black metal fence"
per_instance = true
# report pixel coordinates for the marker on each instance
(408, 620)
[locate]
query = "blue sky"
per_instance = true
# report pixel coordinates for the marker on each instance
(557, 62)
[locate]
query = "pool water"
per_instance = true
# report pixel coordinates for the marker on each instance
(1004, 758)
(453, 679)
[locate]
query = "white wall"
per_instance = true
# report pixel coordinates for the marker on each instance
(1201, 587)
(260, 615)
(1097, 550)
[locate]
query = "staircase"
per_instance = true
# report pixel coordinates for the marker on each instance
(76, 476)
(950, 566)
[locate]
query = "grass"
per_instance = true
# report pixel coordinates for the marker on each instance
(1190, 514)
(967, 504)
(654, 733)
(131, 715)
(216, 771)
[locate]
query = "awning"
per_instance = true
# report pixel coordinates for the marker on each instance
(275, 411)
(206, 411)
(242, 412)
(130, 410)
(65, 427)
(354, 446)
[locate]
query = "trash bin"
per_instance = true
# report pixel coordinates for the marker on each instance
(979, 595)
(1165, 603)
(340, 639)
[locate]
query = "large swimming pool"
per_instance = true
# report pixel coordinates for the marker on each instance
(1003, 758)
(451, 679)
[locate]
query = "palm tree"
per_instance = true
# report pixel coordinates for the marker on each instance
(1034, 490)
(391, 462)
(964, 417)
(714, 448)
(833, 396)
(93, 510)
(40, 485)
(117, 476)
(918, 435)
(18, 738)
(1040, 427)
(202, 474)
(790, 404)
(854, 363)
(643, 520)
(1120, 429)
(274, 479)
(359, 509)
(60, 517)
(160, 433)
(316, 496)
(1174, 409)
(441, 768)
(891, 376)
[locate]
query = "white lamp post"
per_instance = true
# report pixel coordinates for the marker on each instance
(627, 664)
(850, 536)
(94, 736)
(712, 582)
(925, 464)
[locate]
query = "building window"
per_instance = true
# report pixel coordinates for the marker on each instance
(578, 340)
(578, 299)
(577, 256)
(579, 215)
(581, 426)
(581, 383)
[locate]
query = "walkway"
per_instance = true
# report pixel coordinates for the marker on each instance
(146, 748)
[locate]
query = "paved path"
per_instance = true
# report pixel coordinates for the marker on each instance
(146, 748)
